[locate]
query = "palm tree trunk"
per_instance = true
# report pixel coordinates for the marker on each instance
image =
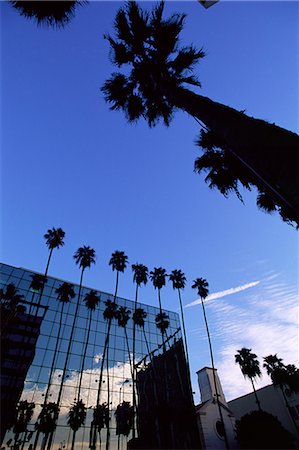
(289, 409)
(255, 394)
(67, 357)
(134, 372)
(108, 402)
(184, 329)
(214, 376)
(45, 276)
(263, 147)
(51, 370)
(162, 331)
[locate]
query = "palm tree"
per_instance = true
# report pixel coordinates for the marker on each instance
(178, 279)
(153, 86)
(280, 377)
(123, 316)
(10, 302)
(37, 284)
(250, 368)
(65, 292)
(140, 275)
(54, 239)
(84, 257)
(158, 278)
(24, 413)
(91, 300)
(118, 262)
(53, 14)
(202, 287)
(138, 318)
(47, 422)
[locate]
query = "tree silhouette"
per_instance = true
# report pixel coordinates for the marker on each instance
(178, 279)
(250, 368)
(50, 13)
(153, 85)
(23, 415)
(158, 278)
(65, 292)
(84, 257)
(202, 289)
(140, 276)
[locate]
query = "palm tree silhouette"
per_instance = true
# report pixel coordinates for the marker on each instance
(65, 292)
(202, 289)
(53, 14)
(158, 278)
(84, 257)
(37, 284)
(138, 318)
(23, 415)
(178, 279)
(47, 422)
(10, 303)
(54, 239)
(123, 316)
(153, 85)
(76, 415)
(140, 275)
(250, 368)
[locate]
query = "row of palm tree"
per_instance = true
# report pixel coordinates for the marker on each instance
(282, 375)
(85, 257)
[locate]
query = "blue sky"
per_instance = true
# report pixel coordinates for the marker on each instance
(67, 161)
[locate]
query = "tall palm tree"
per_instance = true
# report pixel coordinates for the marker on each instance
(158, 278)
(140, 276)
(76, 414)
(250, 368)
(153, 85)
(178, 279)
(54, 239)
(202, 287)
(65, 292)
(53, 14)
(84, 257)
(280, 377)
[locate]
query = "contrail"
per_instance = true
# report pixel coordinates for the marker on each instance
(221, 294)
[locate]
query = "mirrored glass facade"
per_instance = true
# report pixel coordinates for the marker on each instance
(36, 336)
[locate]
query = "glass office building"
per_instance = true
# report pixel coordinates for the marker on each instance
(37, 337)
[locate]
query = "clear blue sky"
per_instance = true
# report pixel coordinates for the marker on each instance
(68, 161)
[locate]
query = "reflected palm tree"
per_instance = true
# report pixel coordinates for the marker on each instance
(138, 318)
(37, 284)
(84, 257)
(158, 278)
(23, 415)
(202, 287)
(65, 292)
(250, 368)
(47, 422)
(76, 415)
(10, 305)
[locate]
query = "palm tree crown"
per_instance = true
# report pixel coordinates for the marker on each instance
(38, 281)
(11, 295)
(140, 273)
(250, 366)
(162, 321)
(110, 311)
(85, 256)
(202, 287)
(54, 238)
(158, 277)
(91, 300)
(123, 316)
(65, 292)
(148, 44)
(178, 279)
(139, 317)
(118, 261)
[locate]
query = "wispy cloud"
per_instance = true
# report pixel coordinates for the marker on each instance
(226, 292)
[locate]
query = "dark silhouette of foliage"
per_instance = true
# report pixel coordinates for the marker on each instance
(250, 367)
(162, 321)
(140, 274)
(123, 316)
(139, 317)
(54, 238)
(77, 415)
(65, 292)
(91, 300)
(50, 13)
(118, 261)
(110, 312)
(227, 173)
(85, 256)
(124, 418)
(282, 374)
(158, 277)
(202, 287)
(101, 416)
(261, 430)
(153, 85)
(24, 413)
(11, 296)
(38, 281)
(46, 422)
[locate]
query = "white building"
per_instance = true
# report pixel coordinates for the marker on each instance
(208, 417)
